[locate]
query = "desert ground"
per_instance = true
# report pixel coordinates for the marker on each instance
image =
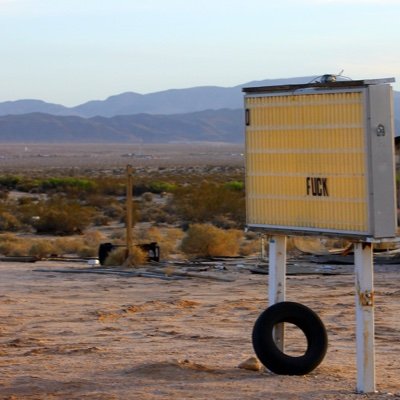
(116, 336)
(17, 157)
(94, 336)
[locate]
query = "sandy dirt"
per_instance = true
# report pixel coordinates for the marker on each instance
(87, 336)
(15, 158)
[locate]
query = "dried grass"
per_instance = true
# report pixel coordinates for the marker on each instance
(206, 240)
(118, 257)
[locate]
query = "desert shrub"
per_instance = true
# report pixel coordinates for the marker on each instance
(86, 245)
(114, 210)
(235, 185)
(101, 220)
(62, 217)
(150, 212)
(27, 200)
(160, 187)
(147, 233)
(70, 245)
(147, 197)
(8, 237)
(174, 233)
(87, 251)
(28, 185)
(98, 201)
(9, 222)
(111, 186)
(68, 184)
(13, 246)
(94, 238)
(9, 181)
(249, 247)
(207, 240)
(119, 236)
(224, 222)
(118, 257)
(207, 201)
(167, 238)
(43, 248)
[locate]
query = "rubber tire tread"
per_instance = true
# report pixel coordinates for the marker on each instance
(305, 319)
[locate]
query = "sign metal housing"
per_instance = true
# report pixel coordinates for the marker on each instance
(320, 159)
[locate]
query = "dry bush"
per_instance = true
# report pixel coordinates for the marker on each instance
(91, 242)
(167, 238)
(206, 240)
(118, 257)
(119, 235)
(114, 210)
(60, 216)
(208, 202)
(151, 212)
(87, 251)
(8, 237)
(94, 238)
(69, 245)
(147, 197)
(43, 248)
(14, 247)
(148, 234)
(8, 222)
(175, 233)
(250, 247)
(84, 246)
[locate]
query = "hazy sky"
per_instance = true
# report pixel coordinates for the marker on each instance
(72, 51)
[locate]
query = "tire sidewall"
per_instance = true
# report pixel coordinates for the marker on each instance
(306, 320)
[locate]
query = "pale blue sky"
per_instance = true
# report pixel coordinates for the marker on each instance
(72, 51)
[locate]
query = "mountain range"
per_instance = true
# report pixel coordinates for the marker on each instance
(206, 113)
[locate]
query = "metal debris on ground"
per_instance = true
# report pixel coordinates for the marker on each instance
(225, 269)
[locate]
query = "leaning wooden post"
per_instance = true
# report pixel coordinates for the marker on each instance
(277, 281)
(129, 218)
(363, 260)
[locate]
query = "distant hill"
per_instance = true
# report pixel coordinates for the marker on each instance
(208, 113)
(210, 125)
(173, 101)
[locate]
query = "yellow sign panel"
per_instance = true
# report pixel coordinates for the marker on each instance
(306, 163)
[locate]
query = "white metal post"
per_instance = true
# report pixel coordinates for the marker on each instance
(277, 280)
(364, 274)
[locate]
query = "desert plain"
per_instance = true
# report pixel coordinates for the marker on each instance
(109, 336)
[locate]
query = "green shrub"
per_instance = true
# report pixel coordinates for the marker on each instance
(160, 187)
(9, 181)
(68, 185)
(235, 185)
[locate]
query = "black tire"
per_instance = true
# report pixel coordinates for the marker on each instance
(305, 319)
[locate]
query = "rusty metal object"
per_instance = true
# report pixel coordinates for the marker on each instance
(366, 298)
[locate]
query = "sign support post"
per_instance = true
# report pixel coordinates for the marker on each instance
(364, 274)
(277, 281)
(320, 160)
(129, 216)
